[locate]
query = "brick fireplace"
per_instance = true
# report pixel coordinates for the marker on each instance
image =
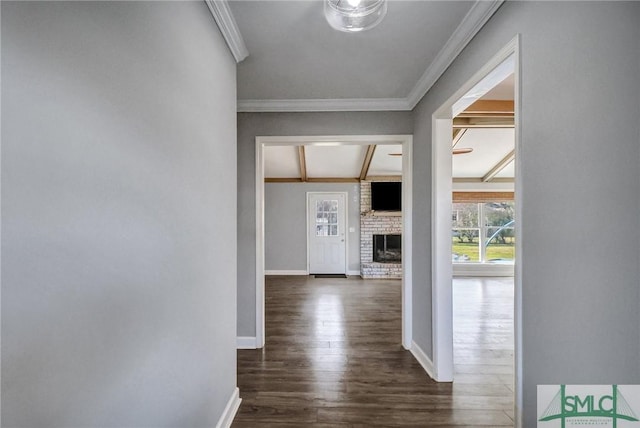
(387, 229)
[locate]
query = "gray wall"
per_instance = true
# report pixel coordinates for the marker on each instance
(118, 215)
(580, 188)
(251, 125)
(285, 219)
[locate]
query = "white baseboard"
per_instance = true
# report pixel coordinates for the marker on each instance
(482, 269)
(422, 358)
(230, 410)
(301, 272)
(246, 342)
(286, 272)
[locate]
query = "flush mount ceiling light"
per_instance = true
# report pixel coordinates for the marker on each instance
(327, 144)
(354, 15)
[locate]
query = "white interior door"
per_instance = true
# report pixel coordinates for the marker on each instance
(327, 226)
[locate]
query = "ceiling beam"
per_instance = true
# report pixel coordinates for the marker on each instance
(312, 180)
(333, 180)
(463, 180)
(457, 135)
(489, 115)
(483, 122)
(282, 180)
(499, 107)
(367, 161)
(467, 197)
(499, 166)
(384, 178)
(302, 159)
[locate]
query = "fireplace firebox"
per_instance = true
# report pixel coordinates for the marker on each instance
(387, 248)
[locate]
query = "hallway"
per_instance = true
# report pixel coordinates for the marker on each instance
(333, 359)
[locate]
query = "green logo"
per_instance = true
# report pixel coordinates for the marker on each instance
(585, 409)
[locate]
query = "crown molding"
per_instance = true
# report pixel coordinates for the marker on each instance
(228, 27)
(323, 105)
(473, 21)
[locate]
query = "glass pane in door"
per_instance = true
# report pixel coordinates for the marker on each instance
(327, 217)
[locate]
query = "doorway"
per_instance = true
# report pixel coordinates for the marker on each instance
(326, 233)
(406, 141)
(504, 63)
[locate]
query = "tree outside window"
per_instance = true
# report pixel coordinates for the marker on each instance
(489, 240)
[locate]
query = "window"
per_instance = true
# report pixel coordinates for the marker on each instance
(327, 217)
(483, 232)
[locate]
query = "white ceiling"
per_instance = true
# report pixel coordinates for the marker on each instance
(296, 58)
(334, 161)
(489, 146)
(491, 152)
(297, 62)
(281, 162)
(384, 162)
(502, 91)
(509, 171)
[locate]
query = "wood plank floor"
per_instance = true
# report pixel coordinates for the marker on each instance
(333, 358)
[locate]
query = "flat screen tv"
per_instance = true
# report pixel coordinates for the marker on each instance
(386, 196)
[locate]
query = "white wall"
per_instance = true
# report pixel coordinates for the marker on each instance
(285, 219)
(580, 189)
(251, 125)
(118, 215)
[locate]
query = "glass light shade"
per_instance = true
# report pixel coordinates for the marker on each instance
(354, 15)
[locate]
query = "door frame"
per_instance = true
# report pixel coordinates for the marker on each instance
(407, 216)
(346, 228)
(442, 187)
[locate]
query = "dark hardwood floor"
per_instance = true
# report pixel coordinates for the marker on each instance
(333, 358)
